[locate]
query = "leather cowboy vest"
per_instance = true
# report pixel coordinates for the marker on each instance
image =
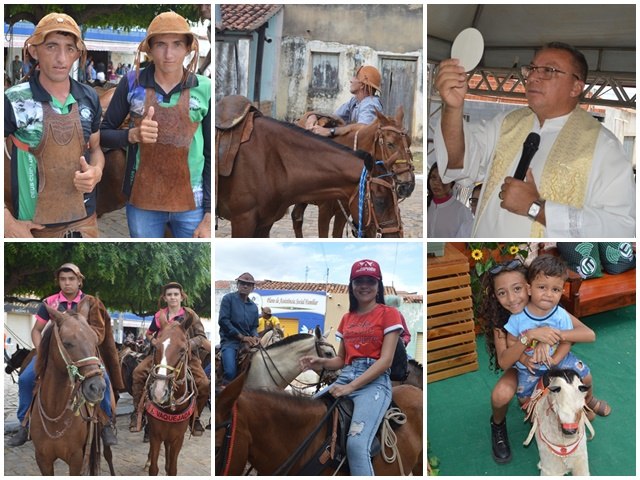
(163, 180)
(565, 174)
(58, 156)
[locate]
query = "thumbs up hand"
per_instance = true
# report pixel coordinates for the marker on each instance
(149, 128)
(87, 177)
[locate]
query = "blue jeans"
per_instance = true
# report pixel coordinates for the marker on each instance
(207, 371)
(27, 382)
(229, 352)
(370, 403)
(151, 224)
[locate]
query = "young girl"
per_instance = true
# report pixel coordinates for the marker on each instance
(505, 293)
(369, 334)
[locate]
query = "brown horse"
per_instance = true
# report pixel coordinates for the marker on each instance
(249, 423)
(65, 425)
(172, 396)
(281, 165)
(110, 196)
(383, 139)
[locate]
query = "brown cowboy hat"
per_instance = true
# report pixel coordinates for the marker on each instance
(56, 22)
(168, 22)
(246, 278)
(69, 266)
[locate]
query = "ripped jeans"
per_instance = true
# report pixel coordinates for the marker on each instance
(369, 406)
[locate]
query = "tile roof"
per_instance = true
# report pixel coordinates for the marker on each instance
(307, 287)
(246, 17)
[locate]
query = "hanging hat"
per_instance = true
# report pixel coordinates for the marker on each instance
(56, 22)
(246, 278)
(366, 268)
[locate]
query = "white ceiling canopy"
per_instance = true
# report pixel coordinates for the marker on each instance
(606, 35)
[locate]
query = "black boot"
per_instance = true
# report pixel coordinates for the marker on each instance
(500, 442)
(109, 435)
(19, 438)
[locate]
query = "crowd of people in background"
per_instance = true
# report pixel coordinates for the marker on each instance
(95, 74)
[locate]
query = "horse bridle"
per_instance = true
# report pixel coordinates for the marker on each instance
(396, 162)
(76, 397)
(173, 380)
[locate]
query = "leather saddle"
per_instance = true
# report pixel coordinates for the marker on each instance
(234, 125)
(336, 440)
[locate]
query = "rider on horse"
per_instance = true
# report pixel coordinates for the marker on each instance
(51, 175)
(361, 108)
(173, 295)
(69, 277)
(238, 321)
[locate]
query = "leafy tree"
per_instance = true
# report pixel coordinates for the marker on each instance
(126, 276)
(100, 15)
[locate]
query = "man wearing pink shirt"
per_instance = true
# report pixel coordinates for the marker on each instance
(69, 278)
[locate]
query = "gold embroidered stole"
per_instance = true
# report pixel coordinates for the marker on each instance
(566, 172)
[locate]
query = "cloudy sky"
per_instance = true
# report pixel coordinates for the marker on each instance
(401, 263)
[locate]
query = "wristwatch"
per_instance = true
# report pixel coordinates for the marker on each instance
(332, 132)
(524, 340)
(534, 209)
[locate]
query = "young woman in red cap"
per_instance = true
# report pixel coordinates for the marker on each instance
(369, 334)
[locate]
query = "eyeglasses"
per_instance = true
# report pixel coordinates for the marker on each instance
(505, 267)
(546, 73)
(244, 284)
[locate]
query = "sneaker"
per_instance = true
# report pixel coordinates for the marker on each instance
(198, 429)
(19, 438)
(109, 435)
(501, 450)
(133, 422)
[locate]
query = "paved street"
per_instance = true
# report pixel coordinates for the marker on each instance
(129, 456)
(410, 212)
(114, 225)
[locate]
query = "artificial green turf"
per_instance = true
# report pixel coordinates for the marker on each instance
(458, 409)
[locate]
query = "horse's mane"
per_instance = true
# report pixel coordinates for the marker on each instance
(289, 340)
(567, 374)
(282, 398)
(43, 350)
(415, 363)
(361, 154)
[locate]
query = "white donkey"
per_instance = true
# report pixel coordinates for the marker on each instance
(557, 413)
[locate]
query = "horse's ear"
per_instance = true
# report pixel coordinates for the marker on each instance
(381, 117)
(54, 314)
(399, 115)
(84, 307)
(188, 319)
(317, 332)
(228, 396)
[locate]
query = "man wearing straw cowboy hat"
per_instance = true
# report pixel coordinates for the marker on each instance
(50, 120)
(168, 178)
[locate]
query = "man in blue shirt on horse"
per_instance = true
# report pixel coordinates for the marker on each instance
(238, 321)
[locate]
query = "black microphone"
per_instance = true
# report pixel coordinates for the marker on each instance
(529, 149)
